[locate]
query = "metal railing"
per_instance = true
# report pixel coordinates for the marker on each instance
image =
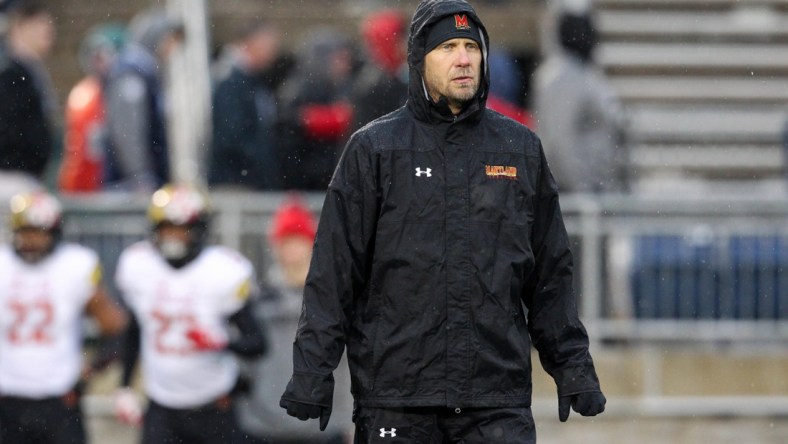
(711, 268)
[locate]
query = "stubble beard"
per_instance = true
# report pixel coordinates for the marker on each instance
(458, 97)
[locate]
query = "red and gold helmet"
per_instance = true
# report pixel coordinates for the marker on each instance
(33, 214)
(36, 209)
(179, 204)
(182, 205)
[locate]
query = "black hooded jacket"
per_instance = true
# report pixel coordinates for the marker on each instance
(441, 254)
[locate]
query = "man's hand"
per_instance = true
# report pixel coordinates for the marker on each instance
(307, 411)
(587, 404)
(128, 406)
(203, 340)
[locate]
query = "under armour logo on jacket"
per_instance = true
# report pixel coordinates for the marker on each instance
(388, 433)
(427, 172)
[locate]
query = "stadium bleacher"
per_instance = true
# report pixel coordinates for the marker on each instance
(706, 83)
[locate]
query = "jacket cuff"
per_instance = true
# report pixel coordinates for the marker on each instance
(574, 380)
(310, 388)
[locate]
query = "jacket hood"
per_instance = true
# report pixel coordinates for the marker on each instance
(149, 27)
(427, 13)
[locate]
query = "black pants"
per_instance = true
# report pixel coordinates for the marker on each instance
(433, 425)
(212, 424)
(55, 420)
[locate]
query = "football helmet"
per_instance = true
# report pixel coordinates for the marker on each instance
(34, 213)
(180, 205)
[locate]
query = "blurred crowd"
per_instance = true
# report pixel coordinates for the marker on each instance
(279, 118)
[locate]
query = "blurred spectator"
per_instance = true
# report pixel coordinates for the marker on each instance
(244, 151)
(579, 116)
(27, 101)
(85, 140)
(137, 157)
(316, 115)
(290, 236)
(382, 85)
(505, 82)
(505, 87)
(191, 321)
(582, 124)
(46, 287)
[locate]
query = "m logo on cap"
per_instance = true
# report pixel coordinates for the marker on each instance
(461, 22)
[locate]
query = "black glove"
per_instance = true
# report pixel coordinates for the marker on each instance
(587, 404)
(304, 411)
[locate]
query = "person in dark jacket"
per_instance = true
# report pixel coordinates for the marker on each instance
(27, 108)
(315, 114)
(441, 256)
(137, 156)
(244, 151)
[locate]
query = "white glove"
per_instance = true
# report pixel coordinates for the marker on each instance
(128, 406)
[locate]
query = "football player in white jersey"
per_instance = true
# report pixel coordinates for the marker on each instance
(191, 319)
(46, 286)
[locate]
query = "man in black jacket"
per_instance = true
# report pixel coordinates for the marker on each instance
(27, 102)
(441, 254)
(244, 151)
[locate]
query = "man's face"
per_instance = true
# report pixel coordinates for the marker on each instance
(38, 32)
(169, 44)
(173, 240)
(294, 250)
(452, 70)
(340, 65)
(261, 49)
(32, 244)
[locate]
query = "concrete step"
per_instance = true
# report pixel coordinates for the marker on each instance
(744, 90)
(687, 5)
(694, 58)
(755, 24)
(710, 160)
(706, 124)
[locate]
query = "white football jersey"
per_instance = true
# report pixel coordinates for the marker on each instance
(41, 308)
(169, 302)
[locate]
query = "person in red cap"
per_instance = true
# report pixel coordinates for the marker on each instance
(382, 85)
(290, 237)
